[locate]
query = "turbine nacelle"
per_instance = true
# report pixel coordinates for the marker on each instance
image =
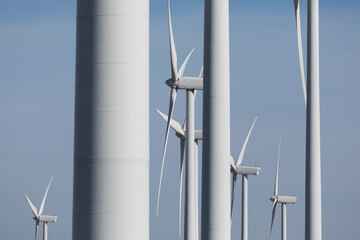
(286, 199)
(189, 83)
(45, 218)
(243, 170)
(198, 135)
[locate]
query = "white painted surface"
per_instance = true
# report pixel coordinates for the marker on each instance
(111, 148)
(197, 186)
(283, 221)
(313, 225)
(190, 174)
(45, 231)
(215, 214)
(244, 216)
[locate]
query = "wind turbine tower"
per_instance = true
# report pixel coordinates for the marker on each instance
(215, 212)
(111, 145)
(313, 225)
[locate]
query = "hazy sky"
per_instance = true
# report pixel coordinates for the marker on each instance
(37, 79)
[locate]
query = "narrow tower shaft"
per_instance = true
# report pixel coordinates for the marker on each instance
(244, 225)
(215, 212)
(190, 181)
(111, 147)
(45, 231)
(283, 221)
(313, 226)
(197, 186)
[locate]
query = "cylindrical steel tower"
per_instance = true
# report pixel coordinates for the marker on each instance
(313, 226)
(190, 228)
(215, 214)
(111, 148)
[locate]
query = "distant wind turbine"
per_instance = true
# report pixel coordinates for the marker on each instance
(38, 217)
(181, 134)
(280, 199)
(190, 84)
(244, 171)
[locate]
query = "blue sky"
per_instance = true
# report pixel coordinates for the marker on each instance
(37, 79)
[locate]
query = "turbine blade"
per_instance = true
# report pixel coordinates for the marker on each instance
(233, 194)
(232, 163)
(183, 66)
(173, 124)
(171, 108)
(241, 155)
(201, 71)
(277, 171)
(300, 48)
(173, 56)
(44, 199)
(200, 74)
(182, 148)
(36, 229)
(272, 217)
(33, 208)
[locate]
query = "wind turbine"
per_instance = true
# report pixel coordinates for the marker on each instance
(181, 134)
(190, 84)
(38, 217)
(280, 199)
(244, 171)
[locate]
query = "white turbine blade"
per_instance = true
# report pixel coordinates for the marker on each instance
(232, 163)
(300, 48)
(182, 148)
(44, 199)
(200, 74)
(183, 66)
(272, 216)
(173, 56)
(184, 125)
(171, 108)
(241, 155)
(233, 194)
(201, 71)
(277, 171)
(33, 208)
(173, 124)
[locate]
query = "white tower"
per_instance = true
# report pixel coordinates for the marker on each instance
(313, 226)
(215, 214)
(111, 147)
